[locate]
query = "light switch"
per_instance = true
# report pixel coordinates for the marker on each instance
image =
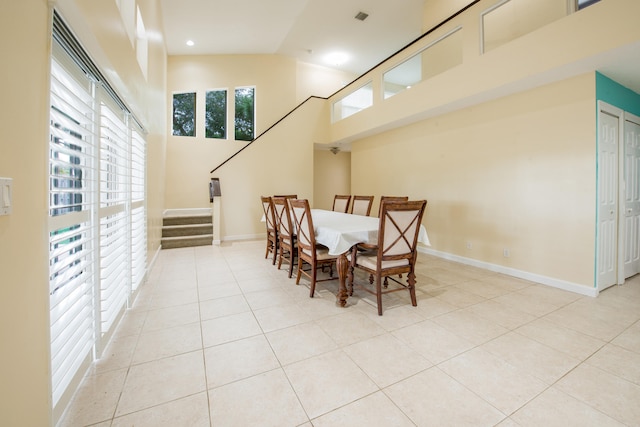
(6, 190)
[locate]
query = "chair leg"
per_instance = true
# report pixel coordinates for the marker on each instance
(280, 259)
(314, 271)
(352, 265)
(291, 259)
(379, 294)
(411, 279)
(275, 253)
(299, 271)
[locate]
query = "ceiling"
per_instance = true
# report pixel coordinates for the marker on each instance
(308, 30)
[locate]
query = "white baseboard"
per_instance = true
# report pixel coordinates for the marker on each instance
(537, 278)
(243, 237)
(187, 212)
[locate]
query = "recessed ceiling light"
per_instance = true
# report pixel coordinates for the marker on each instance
(190, 43)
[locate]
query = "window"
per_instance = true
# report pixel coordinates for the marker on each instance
(184, 114)
(585, 3)
(97, 212)
(356, 101)
(439, 56)
(72, 251)
(216, 114)
(245, 113)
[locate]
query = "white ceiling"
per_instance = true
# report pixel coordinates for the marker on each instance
(308, 30)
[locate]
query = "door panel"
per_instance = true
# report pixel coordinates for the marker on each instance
(632, 198)
(607, 200)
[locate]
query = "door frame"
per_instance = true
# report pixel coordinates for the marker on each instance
(622, 116)
(601, 244)
(627, 118)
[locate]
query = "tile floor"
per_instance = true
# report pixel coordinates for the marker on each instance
(220, 337)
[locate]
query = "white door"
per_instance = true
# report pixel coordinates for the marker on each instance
(632, 196)
(607, 199)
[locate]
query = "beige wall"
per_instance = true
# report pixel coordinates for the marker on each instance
(516, 173)
(24, 79)
(24, 317)
(436, 11)
(281, 161)
(332, 176)
(527, 62)
(314, 80)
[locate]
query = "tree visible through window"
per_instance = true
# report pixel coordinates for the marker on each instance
(245, 107)
(184, 114)
(216, 114)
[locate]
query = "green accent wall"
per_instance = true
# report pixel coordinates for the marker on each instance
(614, 93)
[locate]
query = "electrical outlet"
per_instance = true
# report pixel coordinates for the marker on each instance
(469, 245)
(506, 253)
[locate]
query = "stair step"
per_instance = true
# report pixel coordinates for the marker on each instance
(184, 220)
(187, 230)
(186, 241)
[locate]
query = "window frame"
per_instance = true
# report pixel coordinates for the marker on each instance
(253, 113)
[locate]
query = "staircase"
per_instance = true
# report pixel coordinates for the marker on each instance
(185, 231)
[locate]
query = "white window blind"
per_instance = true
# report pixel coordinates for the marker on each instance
(97, 211)
(138, 211)
(71, 237)
(115, 254)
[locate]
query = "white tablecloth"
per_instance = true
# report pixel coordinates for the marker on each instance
(340, 231)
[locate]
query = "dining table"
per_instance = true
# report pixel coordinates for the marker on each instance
(339, 232)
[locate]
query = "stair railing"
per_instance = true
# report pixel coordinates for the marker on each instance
(435, 27)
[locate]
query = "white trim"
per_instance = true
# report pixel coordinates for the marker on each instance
(243, 237)
(186, 212)
(537, 278)
(152, 263)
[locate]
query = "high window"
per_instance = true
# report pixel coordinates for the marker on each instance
(584, 3)
(216, 114)
(353, 102)
(184, 114)
(245, 113)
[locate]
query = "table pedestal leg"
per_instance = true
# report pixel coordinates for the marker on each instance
(342, 265)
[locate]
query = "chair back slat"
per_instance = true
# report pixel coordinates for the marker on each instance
(361, 205)
(269, 214)
(399, 228)
(283, 216)
(341, 203)
(390, 199)
(304, 224)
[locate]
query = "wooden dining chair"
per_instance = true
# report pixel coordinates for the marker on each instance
(392, 199)
(272, 229)
(341, 203)
(361, 205)
(288, 249)
(315, 255)
(396, 250)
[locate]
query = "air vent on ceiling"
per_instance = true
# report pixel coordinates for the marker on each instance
(361, 16)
